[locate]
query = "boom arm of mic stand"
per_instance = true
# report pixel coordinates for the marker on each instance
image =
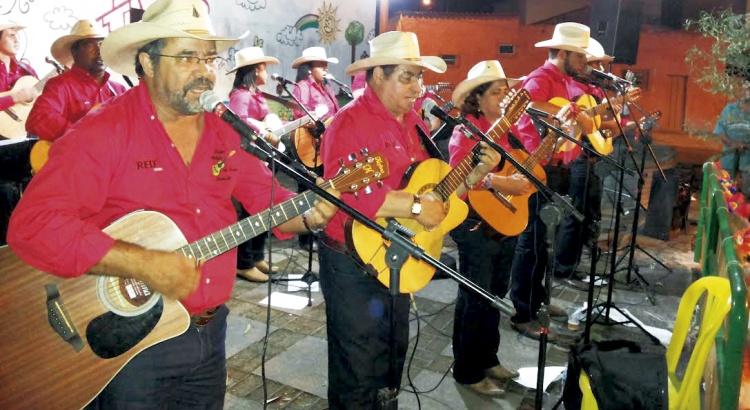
(560, 133)
(541, 187)
(622, 132)
(394, 235)
(645, 141)
(318, 123)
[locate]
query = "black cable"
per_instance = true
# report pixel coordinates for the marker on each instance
(269, 223)
(414, 350)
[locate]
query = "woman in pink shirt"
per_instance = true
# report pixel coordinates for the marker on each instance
(247, 101)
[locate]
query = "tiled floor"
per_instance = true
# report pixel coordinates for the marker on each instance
(295, 355)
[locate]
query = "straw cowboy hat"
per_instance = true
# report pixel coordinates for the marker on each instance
(163, 19)
(568, 36)
(396, 47)
(249, 56)
(7, 24)
(595, 52)
(82, 29)
(482, 73)
(314, 54)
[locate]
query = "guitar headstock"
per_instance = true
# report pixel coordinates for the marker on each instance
(514, 104)
(57, 65)
(649, 121)
(439, 87)
(360, 174)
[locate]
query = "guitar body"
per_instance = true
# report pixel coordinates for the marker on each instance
(39, 155)
(14, 126)
(41, 370)
(371, 248)
(305, 146)
(509, 222)
(600, 143)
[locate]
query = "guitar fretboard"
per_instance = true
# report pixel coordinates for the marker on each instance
(42, 81)
(541, 152)
(230, 237)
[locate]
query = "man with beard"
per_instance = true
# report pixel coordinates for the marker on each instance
(69, 96)
(155, 148)
(567, 56)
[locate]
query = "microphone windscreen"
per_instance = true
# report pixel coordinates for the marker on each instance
(209, 100)
(427, 104)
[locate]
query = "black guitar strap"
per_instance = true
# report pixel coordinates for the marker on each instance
(427, 143)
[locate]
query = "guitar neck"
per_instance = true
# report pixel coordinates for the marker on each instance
(458, 175)
(300, 122)
(230, 237)
(601, 109)
(42, 81)
(541, 152)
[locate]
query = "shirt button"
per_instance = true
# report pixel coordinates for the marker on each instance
(197, 210)
(152, 117)
(208, 280)
(413, 159)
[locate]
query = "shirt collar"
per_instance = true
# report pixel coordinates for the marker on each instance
(375, 106)
(553, 72)
(81, 73)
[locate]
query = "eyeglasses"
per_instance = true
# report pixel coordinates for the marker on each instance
(192, 62)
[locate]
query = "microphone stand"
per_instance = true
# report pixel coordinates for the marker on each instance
(402, 247)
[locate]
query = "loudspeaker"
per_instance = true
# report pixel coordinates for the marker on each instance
(616, 24)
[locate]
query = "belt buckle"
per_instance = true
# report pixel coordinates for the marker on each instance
(204, 318)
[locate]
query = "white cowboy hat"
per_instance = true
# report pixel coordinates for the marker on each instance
(568, 36)
(163, 19)
(482, 73)
(396, 47)
(249, 56)
(82, 29)
(314, 54)
(595, 52)
(7, 24)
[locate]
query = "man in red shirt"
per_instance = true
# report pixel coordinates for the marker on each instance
(567, 56)
(155, 148)
(357, 305)
(11, 69)
(69, 96)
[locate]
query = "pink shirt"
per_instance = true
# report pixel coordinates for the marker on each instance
(460, 145)
(543, 84)
(311, 95)
(66, 99)
(249, 104)
(119, 159)
(366, 123)
(8, 78)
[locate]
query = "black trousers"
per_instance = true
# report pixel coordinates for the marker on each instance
(485, 258)
(250, 252)
(358, 309)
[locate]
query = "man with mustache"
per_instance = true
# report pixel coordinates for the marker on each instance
(155, 148)
(69, 96)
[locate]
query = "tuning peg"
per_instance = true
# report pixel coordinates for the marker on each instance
(368, 190)
(356, 195)
(364, 152)
(341, 162)
(380, 184)
(352, 157)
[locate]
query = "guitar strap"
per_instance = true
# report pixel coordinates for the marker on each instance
(428, 145)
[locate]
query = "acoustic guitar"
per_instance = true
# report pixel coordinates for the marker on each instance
(437, 177)
(306, 146)
(603, 140)
(13, 119)
(66, 339)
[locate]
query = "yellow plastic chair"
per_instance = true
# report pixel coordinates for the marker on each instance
(685, 394)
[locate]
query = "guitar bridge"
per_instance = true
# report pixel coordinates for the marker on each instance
(59, 319)
(503, 200)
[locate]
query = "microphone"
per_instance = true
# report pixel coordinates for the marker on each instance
(212, 103)
(436, 111)
(282, 80)
(606, 76)
(330, 77)
(539, 113)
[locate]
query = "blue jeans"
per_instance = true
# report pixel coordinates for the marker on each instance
(358, 312)
(485, 257)
(186, 372)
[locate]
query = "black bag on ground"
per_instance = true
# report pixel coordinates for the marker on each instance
(622, 377)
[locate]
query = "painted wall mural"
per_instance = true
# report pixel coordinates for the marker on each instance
(282, 27)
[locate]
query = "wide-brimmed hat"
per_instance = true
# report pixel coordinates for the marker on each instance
(482, 73)
(396, 47)
(249, 56)
(314, 54)
(163, 19)
(568, 36)
(595, 52)
(82, 29)
(8, 24)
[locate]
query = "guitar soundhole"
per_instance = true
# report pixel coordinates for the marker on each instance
(125, 297)
(111, 335)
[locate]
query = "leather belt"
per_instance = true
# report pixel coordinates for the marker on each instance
(335, 245)
(202, 319)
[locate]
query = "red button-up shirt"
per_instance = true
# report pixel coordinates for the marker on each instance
(366, 123)
(311, 95)
(543, 84)
(66, 99)
(119, 159)
(8, 78)
(249, 104)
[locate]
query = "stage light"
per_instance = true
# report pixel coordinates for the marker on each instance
(427, 3)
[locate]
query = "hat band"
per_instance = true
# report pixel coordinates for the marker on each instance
(198, 32)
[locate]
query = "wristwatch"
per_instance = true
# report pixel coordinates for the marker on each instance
(416, 206)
